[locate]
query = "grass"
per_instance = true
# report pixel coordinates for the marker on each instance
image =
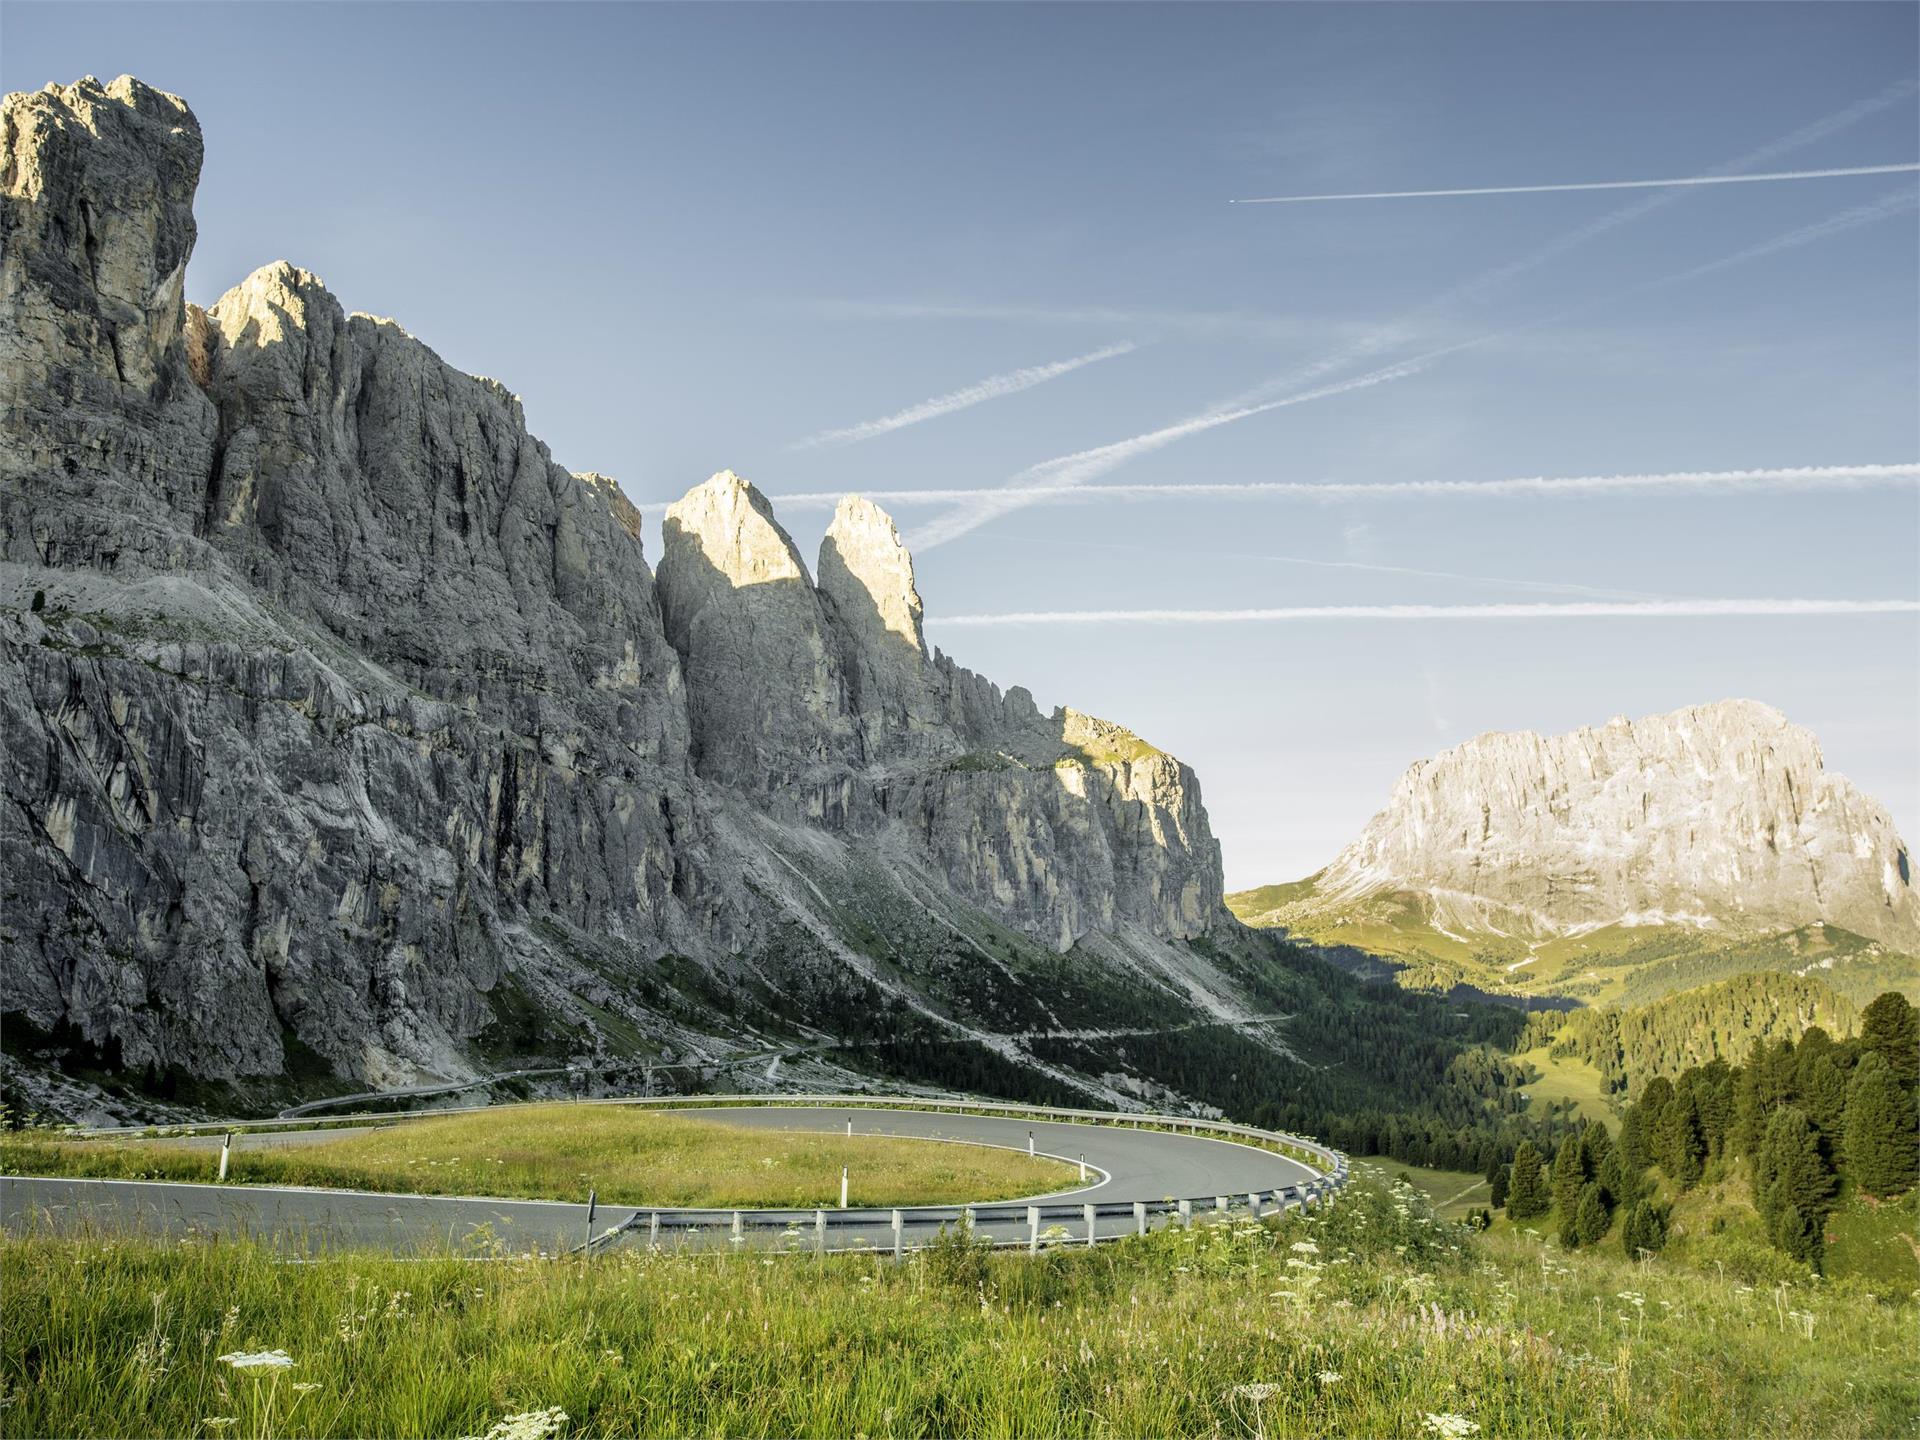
(1452, 1193)
(1568, 1079)
(559, 1152)
(1364, 1319)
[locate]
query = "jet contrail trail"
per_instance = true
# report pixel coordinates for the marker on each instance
(992, 388)
(1075, 469)
(1592, 185)
(1084, 465)
(1571, 610)
(1475, 289)
(1790, 479)
(1551, 587)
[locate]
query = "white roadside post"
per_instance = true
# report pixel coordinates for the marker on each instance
(899, 1236)
(1253, 1203)
(1220, 1205)
(653, 1230)
(1088, 1211)
(1030, 1144)
(843, 1187)
(1033, 1229)
(968, 1219)
(820, 1232)
(849, 1127)
(739, 1233)
(1186, 1214)
(226, 1148)
(593, 1203)
(1139, 1217)
(1083, 1167)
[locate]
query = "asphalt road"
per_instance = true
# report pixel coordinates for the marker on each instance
(1127, 1166)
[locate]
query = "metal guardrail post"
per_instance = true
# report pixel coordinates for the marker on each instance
(1186, 1214)
(1220, 1203)
(1139, 1217)
(820, 1232)
(899, 1236)
(968, 1219)
(1088, 1211)
(1033, 1229)
(1253, 1203)
(653, 1230)
(739, 1233)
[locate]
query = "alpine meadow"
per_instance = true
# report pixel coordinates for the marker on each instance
(585, 904)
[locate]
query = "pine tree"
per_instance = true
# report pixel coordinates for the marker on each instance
(1527, 1192)
(1882, 1130)
(1713, 1094)
(1569, 1175)
(1793, 1183)
(1592, 1218)
(1498, 1183)
(1823, 1095)
(1890, 1027)
(1645, 1230)
(1678, 1143)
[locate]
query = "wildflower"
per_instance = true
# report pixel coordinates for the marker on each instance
(1328, 1377)
(217, 1422)
(305, 1387)
(259, 1360)
(1256, 1392)
(532, 1425)
(1304, 1247)
(1449, 1426)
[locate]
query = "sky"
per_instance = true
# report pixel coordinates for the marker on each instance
(929, 248)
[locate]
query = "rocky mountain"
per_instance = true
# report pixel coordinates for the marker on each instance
(348, 741)
(1564, 862)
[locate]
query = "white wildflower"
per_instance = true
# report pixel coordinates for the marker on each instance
(533, 1425)
(1449, 1426)
(259, 1360)
(1328, 1377)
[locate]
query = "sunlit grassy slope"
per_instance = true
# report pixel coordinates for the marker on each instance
(560, 1152)
(1621, 965)
(1365, 1320)
(1566, 1078)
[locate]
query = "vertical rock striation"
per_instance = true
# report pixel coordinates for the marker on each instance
(340, 726)
(1720, 816)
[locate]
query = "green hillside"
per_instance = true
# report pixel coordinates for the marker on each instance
(1614, 965)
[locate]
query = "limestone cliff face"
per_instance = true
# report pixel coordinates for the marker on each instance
(1721, 816)
(336, 718)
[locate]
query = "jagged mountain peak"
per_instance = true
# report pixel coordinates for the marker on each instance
(868, 573)
(1719, 816)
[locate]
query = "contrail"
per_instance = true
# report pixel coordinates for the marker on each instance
(1074, 470)
(1804, 478)
(1478, 287)
(1571, 610)
(1551, 587)
(1591, 185)
(992, 388)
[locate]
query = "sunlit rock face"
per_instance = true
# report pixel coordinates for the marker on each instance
(338, 721)
(1721, 816)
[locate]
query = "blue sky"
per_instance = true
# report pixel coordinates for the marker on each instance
(693, 237)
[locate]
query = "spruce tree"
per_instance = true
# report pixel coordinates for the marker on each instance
(1636, 1135)
(1569, 1178)
(1527, 1192)
(1882, 1130)
(1591, 1218)
(1793, 1183)
(1645, 1230)
(1678, 1142)
(1498, 1185)
(1890, 1028)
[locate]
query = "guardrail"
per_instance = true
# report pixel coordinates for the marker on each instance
(666, 1224)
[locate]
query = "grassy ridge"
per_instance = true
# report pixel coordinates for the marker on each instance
(559, 1152)
(1366, 1319)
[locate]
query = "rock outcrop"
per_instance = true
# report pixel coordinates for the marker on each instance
(1722, 817)
(342, 728)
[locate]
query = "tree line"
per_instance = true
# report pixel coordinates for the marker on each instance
(1807, 1116)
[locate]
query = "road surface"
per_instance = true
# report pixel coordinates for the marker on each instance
(1125, 1166)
